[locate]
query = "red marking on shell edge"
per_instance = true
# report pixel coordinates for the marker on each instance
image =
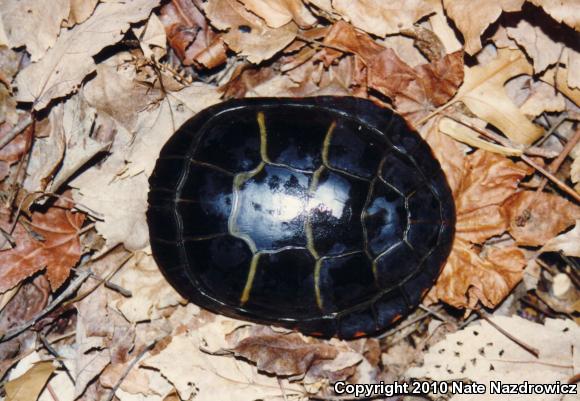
(316, 334)
(359, 334)
(396, 318)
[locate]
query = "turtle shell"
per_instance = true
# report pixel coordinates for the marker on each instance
(327, 214)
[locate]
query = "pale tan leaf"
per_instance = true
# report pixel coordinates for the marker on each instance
(212, 377)
(247, 34)
(383, 17)
(482, 354)
(444, 32)
(70, 60)
(28, 386)
(542, 98)
(19, 17)
(150, 291)
(557, 77)
(472, 17)
(569, 242)
(471, 137)
(80, 11)
(566, 11)
(484, 93)
(152, 38)
(278, 13)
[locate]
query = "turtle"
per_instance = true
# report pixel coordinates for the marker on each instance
(328, 215)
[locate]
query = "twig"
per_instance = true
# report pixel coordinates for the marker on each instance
(507, 142)
(405, 324)
(129, 367)
(552, 128)
(534, 351)
(435, 313)
(54, 352)
(557, 162)
(75, 284)
(17, 129)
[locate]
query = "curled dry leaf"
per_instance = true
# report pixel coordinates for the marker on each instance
(284, 355)
(70, 60)
(484, 93)
(384, 17)
(534, 218)
(482, 354)
(190, 35)
(45, 17)
(15, 149)
(247, 34)
(49, 240)
(80, 11)
(472, 17)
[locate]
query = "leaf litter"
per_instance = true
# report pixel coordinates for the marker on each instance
(90, 91)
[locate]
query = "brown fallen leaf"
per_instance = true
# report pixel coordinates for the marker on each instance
(28, 386)
(15, 149)
(49, 240)
(247, 34)
(469, 278)
(472, 17)
(534, 218)
(190, 35)
(569, 242)
(283, 354)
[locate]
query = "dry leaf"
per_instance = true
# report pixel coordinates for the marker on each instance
(28, 386)
(152, 38)
(150, 292)
(484, 93)
(246, 33)
(469, 278)
(535, 218)
(383, 17)
(19, 16)
(566, 11)
(14, 150)
(50, 240)
(80, 11)
(472, 17)
(542, 98)
(70, 60)
(480, 353)
(557, 78)
(283, 355)
(212, 377)
(190, 35)
(278, 13)
(444, 32)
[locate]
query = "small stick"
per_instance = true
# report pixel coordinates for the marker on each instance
(54, 352)
(506, 142)
(17, 129)
(435, 313)
(557, 162)
(534, 351)
(129, 367)
(553, 128)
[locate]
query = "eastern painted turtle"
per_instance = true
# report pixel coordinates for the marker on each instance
(327, 214)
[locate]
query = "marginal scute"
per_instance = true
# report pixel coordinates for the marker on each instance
(396, 264)
(325, 214)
